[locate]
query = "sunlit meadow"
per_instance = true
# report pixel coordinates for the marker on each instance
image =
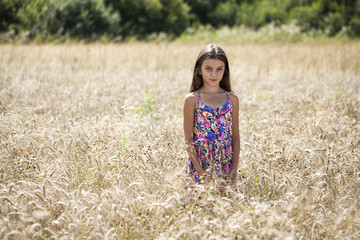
(92, 144)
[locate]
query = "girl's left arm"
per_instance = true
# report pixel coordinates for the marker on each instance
(235, 137)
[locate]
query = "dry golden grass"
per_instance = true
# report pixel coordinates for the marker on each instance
(92, 144)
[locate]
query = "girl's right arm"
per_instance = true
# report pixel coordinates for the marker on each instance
(190, 103)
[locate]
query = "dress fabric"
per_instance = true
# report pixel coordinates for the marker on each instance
(212, 138)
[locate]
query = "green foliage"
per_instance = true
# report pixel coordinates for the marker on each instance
(260, 13)
(143, 17)
(335, 22)
(147, 107)
(355, 26)
(307, 16)
(175, 17)
(224, 14)
(8, 16)
(135, 13)
(201, 10)
(149, 19)
(31, 16)
(78, 18)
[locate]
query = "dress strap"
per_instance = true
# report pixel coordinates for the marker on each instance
(227, 95)
(198, 95)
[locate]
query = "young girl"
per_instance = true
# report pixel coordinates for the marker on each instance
(211, 124)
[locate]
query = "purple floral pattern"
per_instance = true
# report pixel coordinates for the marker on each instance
(212, 138)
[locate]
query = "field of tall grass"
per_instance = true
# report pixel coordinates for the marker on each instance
(91, 143)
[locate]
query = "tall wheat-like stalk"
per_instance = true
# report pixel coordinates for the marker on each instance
(91, 143)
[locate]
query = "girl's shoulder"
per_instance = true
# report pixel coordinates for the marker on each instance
(234, 98)
(191, 99)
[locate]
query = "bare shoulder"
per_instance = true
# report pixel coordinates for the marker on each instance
(234, 98)
(190, 100)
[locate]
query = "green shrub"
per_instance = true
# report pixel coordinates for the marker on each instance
(57, 20)
(175, 14)
(79, 18)
(200, 10)
(8, 13)
(334, 23)
(143, 17)
(31, 16)
(355, 26)
(261, 13)
(224, 14)
(308, 17)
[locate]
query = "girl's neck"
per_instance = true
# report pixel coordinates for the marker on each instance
(209, 89)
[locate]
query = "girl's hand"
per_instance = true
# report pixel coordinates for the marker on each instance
(233, 176)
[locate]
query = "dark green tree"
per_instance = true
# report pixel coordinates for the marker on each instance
(175, 16)
(224, 14)
(258, 13)
(31, 16)
(202, 9)
(308, 16)
(78, 18)
(8, 13)
(92, 18)
(143, 17)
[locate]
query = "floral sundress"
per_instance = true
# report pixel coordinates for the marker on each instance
(213, 140)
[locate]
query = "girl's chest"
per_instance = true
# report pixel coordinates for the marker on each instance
(217, 115)
(214, 102)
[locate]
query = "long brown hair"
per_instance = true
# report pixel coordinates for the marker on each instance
(211, 51)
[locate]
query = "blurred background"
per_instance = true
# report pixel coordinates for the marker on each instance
(126, 20)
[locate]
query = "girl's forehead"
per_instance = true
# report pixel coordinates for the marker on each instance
(213, 62)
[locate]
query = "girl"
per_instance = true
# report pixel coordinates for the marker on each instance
(211, 123)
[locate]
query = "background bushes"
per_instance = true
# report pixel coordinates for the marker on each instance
(78, 18)
(91, 19)
(8, 14)
(143, 17)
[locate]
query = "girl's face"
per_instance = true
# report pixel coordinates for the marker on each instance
(212, 72)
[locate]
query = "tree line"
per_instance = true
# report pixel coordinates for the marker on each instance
(90, 19)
